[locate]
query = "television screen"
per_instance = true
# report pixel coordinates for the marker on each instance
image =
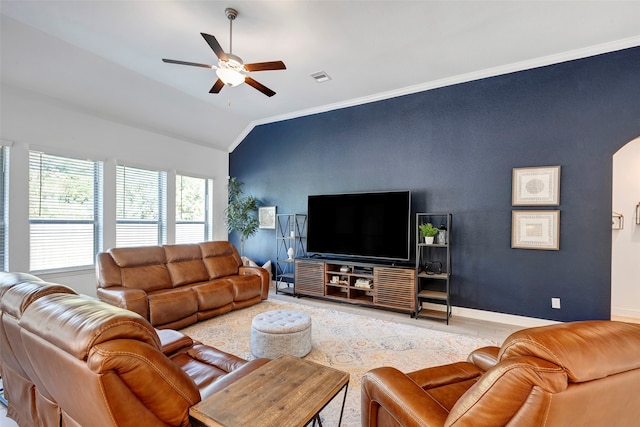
(367, 225)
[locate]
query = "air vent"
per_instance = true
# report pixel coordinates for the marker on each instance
(320, 77)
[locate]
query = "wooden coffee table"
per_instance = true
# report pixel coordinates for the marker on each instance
(287, 391)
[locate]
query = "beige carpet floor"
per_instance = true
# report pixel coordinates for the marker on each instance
(348, 342)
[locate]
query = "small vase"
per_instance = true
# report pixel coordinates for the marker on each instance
(290, 253)
(428, 240)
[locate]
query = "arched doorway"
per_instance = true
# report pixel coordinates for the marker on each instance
(625, 242)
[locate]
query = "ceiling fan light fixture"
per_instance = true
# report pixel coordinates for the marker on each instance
(230, 77)
(230, 71)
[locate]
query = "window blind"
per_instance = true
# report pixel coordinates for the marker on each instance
(140, 206)
(63, 207)
(192, 225)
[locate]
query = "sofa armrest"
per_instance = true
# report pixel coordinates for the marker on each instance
(484, 358)
(439, 376)
(264, 278)
(131, 299)
(173, 341)
(233, 376)
(387, 391)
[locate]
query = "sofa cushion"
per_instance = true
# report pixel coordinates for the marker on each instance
(503, 389)
(583, 349)
(245, 287)
(214, 294)
(142, 267)
(220, 258)
(138, 256)
(17, 298)
(148, 278)
(69, 323)
(170, 305)
(185, 265)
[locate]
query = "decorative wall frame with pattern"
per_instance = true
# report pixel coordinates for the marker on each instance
(535, 230)
(536, 186)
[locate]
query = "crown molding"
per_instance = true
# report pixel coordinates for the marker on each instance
(449, 81)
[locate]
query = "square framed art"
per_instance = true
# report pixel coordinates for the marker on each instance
(536, 186)
(535, 230)
(267, 217)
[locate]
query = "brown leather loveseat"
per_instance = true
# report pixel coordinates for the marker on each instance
(583, 374)
(173, 286)
(71, 360)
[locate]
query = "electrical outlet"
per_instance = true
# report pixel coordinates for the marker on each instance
(555, 302)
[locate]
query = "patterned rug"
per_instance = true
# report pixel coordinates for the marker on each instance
(349, 342)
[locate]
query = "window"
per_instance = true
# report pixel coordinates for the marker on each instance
(3, 209)
(64, 206)
(191, 209)
(140, 207)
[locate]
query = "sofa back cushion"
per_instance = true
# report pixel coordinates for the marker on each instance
(17, 298)
(185, 265)
(75, 323)
(142, 267)
(500, 394)
(220, 258)
(587, 350)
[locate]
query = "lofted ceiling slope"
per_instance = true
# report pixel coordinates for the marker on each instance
(105, 56)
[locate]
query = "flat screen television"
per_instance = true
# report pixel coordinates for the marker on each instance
(366, 225)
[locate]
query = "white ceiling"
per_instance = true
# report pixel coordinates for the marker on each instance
(105, 56)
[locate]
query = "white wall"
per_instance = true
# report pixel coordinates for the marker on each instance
(30, 121)
(625, 251)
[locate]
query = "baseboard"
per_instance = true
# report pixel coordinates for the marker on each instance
(618, 313)
(491, 316)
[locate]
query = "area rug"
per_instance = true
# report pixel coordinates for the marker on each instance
(349, 342)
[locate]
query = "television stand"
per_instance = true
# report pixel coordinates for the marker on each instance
(383, 285)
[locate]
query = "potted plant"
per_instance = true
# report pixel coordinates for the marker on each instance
(428, 231)
(241, 213)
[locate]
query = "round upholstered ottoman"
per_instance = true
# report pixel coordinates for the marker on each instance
(278, 332)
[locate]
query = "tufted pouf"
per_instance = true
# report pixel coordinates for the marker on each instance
(278, 332)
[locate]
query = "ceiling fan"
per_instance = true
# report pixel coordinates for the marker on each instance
(231, 71)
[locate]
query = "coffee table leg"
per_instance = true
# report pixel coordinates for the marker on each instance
(316, 421)
(344, 400)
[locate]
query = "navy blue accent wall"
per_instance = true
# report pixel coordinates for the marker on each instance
(454, 148)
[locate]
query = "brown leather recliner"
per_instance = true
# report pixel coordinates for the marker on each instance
(572, 374)
(75, 361)
(17, 292)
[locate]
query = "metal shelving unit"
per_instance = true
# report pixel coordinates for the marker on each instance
(433, 269)
(291, 243)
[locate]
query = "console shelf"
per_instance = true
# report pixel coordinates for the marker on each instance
(433, 269)
(361, 283)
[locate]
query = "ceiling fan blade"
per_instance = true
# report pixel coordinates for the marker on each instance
(217, 87)
(194, 64)
(265, 66)
(217, 49)
(262, 88)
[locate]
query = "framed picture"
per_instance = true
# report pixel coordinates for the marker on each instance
(536, 186)
(535, 230)
(267, 217)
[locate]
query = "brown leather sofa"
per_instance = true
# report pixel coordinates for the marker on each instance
(173, 286)
(71, 360)
(573, 374)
